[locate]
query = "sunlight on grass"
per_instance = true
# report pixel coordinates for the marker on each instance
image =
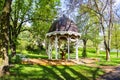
(76, 72)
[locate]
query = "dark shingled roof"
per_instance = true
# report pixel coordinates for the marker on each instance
(63, 24)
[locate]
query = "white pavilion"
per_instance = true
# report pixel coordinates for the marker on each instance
(62, 29)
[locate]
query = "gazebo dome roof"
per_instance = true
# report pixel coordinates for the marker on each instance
(63, 24)
(63, 27)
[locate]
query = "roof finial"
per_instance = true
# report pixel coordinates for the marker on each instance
(64, 15)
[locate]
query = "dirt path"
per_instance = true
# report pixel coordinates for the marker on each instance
(48, 62)
(112, 73)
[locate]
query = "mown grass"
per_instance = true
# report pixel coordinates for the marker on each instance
(114, 61)
(74, 72)
(40, 72)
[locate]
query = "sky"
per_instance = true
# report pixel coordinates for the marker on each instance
(117, 2)
(64, 7)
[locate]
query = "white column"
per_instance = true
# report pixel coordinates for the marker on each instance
(58, 50)
(56, 47)
(77, 49)
(49, 49)
(68, 40)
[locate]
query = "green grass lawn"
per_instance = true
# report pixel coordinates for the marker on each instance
(74, 72)
(114, 61)
(40, 72)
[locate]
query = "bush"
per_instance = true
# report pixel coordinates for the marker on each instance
(18, 59)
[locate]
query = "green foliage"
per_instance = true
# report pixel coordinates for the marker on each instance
(1, 5)
(115, 40)
(22, 9)
(87, 22)
(16, 59)
(23, 40)
(39, 29)
(22, 45)
(45, 9)
(45, 12)
(38, 14)
(115, 43)
(28, 41)
(88, 25)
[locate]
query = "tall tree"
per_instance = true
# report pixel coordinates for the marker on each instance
(87, 22)
(21, 11)
(48, 12)
(4, 28)
(82, 22)
(104, 11)
(28, 11)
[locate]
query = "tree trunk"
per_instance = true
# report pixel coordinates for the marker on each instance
(13, 47)
(13, 52)
(107, 51)
(13, 38)
(4, 26)
(109, 24)
(84, 54)
(107, 46)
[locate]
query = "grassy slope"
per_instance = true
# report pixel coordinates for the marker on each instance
(35, 72)
(76, 72)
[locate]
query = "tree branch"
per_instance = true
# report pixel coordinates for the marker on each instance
(33, 19)
(104, 6)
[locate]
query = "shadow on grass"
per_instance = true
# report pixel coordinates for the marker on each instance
(49, 73)
(95, 73)
(40, 72)
(37, 56)
(37, 51)
(67, 76)
(64, 73)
